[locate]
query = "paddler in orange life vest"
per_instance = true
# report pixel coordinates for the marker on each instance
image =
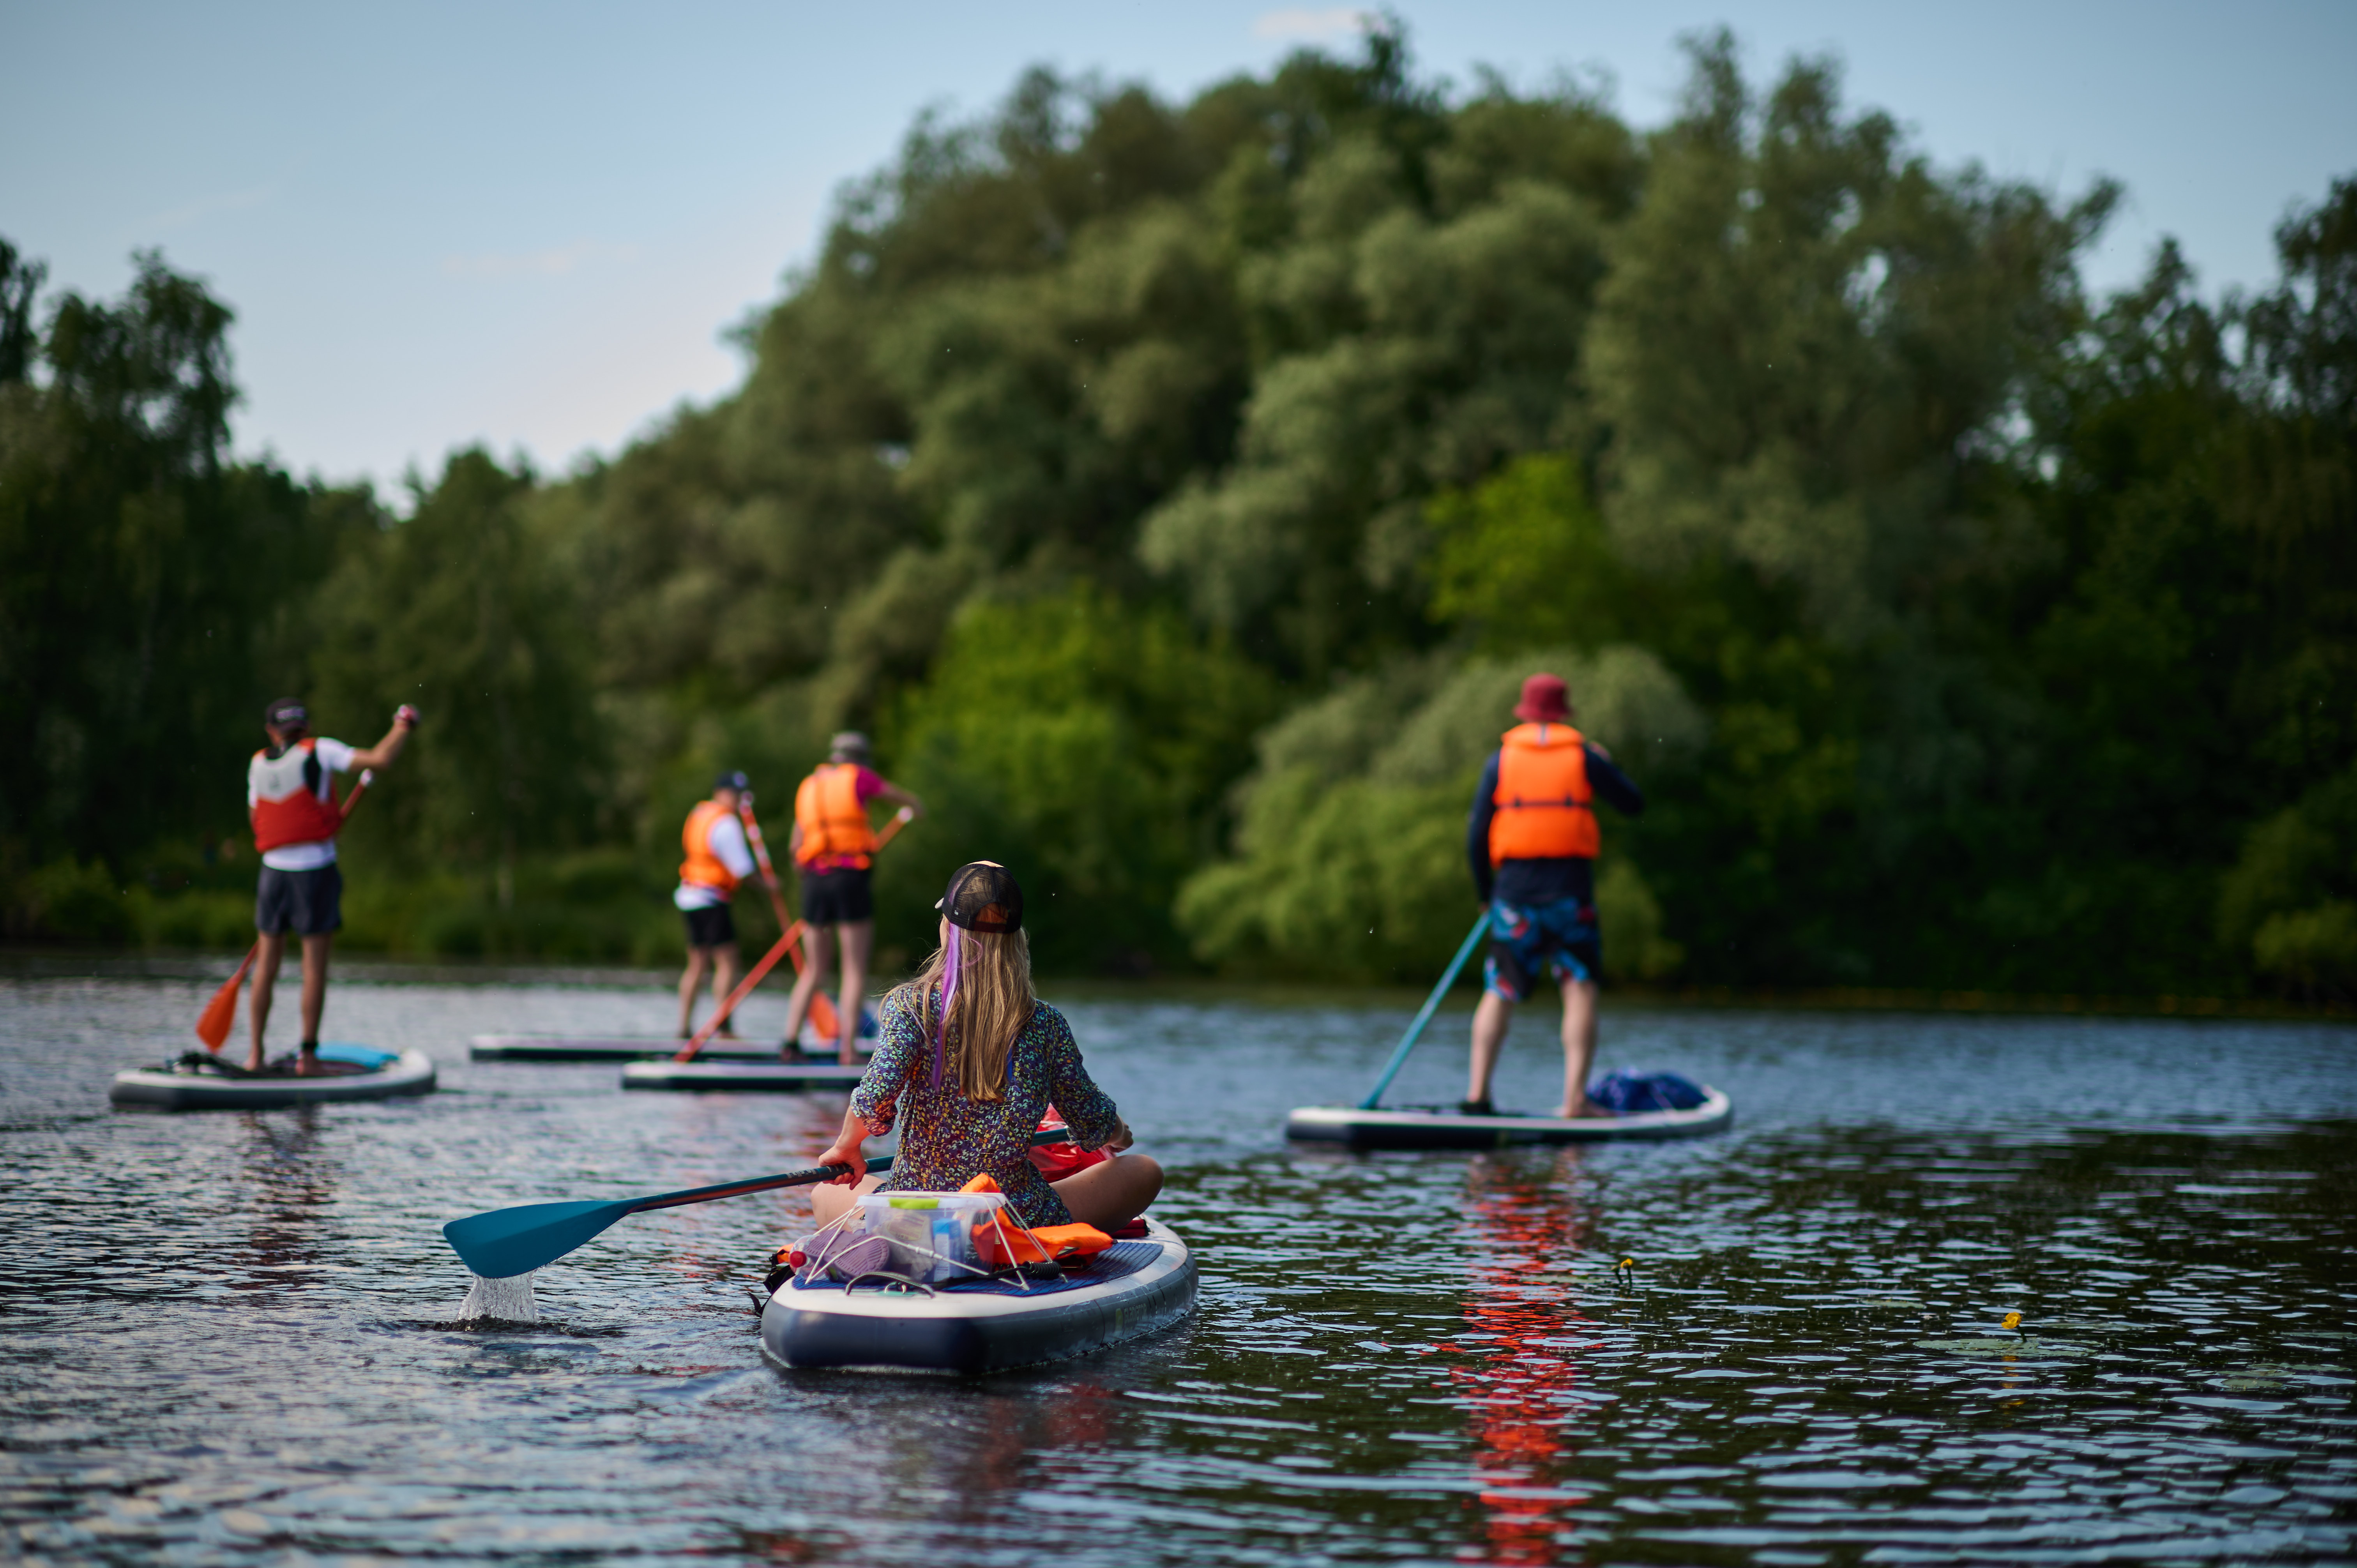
(290, 795)
(1532, 840)
(834, 846)
(719, 858)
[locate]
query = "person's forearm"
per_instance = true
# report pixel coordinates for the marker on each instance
(381, 753)
(895, 793)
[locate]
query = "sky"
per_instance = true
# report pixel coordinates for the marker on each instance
(530, 225)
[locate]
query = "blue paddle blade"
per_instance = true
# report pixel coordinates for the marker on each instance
(517, 1240)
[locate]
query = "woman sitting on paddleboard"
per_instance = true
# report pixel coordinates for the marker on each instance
(969, 1061)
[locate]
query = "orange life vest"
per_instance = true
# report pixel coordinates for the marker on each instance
(702, 868)
(833, 817)
(1545, 805)
(286, 805)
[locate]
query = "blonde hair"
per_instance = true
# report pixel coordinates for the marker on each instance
(993, 1003)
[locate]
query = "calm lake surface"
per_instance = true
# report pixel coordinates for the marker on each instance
(231, 1337)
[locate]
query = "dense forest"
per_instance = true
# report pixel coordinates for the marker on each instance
(1179, 492)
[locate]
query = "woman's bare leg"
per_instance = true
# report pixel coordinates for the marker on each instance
(698, 961)
(815, 949)
(1112, 1193)
(829, 1203)
(858, 938)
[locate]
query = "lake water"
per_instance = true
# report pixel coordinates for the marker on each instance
(233, 1336)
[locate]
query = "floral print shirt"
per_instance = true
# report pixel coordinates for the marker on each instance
(947, 1140)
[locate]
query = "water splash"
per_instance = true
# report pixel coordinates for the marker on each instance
(507, 1300)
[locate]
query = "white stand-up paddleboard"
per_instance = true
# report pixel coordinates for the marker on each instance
(1131, 1289)
(768, 1075)
(197, 1082)
(1438, 1128)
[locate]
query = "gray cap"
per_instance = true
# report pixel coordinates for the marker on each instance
(848, 743)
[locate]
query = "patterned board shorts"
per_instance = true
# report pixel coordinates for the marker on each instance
(1525, 940)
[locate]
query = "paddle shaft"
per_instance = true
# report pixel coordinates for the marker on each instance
(759, 1184)
(1423, 1015)
(213, 1023)
(815, 1173)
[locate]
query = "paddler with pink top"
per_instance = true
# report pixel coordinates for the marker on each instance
(833, 847)
(1532, 840)
(290, 797)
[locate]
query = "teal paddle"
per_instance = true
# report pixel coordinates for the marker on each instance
(1423, 1016)
(508, 1241)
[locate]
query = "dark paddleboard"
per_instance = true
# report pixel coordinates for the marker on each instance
(611, 1048)
(1133, 1289)
(1436, 1128)
(641, 1048)
(197, 1082)
(767, 1076)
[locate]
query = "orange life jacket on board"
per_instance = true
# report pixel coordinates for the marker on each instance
(702, 868)
(833, 817)
(286, 805)
(1545, 807)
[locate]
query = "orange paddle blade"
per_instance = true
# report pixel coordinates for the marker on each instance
(212, 1024)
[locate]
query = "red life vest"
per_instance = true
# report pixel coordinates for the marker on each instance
(1545, 804)
(286, 805)
(702, 868)
(833, 817)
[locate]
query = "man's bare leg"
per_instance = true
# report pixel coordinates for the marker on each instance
(315, 996)
(265, 979)
(815, 949)
(724, 981)
(698, 961)
(858, 938)
(1491, 1017)
(1578, 1048)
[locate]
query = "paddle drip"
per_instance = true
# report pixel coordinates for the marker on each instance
(507, 1300)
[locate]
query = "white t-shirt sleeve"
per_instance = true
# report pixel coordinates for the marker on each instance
(334, 754)
(728, 846)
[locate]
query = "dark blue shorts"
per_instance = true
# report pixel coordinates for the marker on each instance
(299, 903)
(1526, 939)
(841, 897)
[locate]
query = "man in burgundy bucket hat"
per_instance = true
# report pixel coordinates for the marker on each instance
(1532, 840)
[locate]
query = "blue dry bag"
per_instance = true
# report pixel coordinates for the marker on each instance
(1624, 1093)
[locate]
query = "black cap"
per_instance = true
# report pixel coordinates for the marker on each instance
(736, 782)
(984, 897)
(286, 712)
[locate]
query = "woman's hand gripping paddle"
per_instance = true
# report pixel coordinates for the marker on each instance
(508, 1242)
(1423, 1015)
(213, 1023)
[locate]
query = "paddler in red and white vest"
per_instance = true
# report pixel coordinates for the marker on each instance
(1532, 840)
(290, 795)
(719, 858)
(834, 845)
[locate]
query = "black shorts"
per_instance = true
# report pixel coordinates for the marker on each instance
(299, 903)
(837, 898)
(711, 927)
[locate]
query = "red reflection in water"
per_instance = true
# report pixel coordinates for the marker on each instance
(1519, 1375)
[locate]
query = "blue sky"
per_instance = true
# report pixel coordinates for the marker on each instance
(527, 224)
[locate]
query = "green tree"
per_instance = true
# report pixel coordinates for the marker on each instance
(144, 576)
(457, 611)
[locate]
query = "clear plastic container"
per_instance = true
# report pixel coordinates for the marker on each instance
(931, 1233)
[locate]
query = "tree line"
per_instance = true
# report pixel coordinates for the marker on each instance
(1179, 492)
